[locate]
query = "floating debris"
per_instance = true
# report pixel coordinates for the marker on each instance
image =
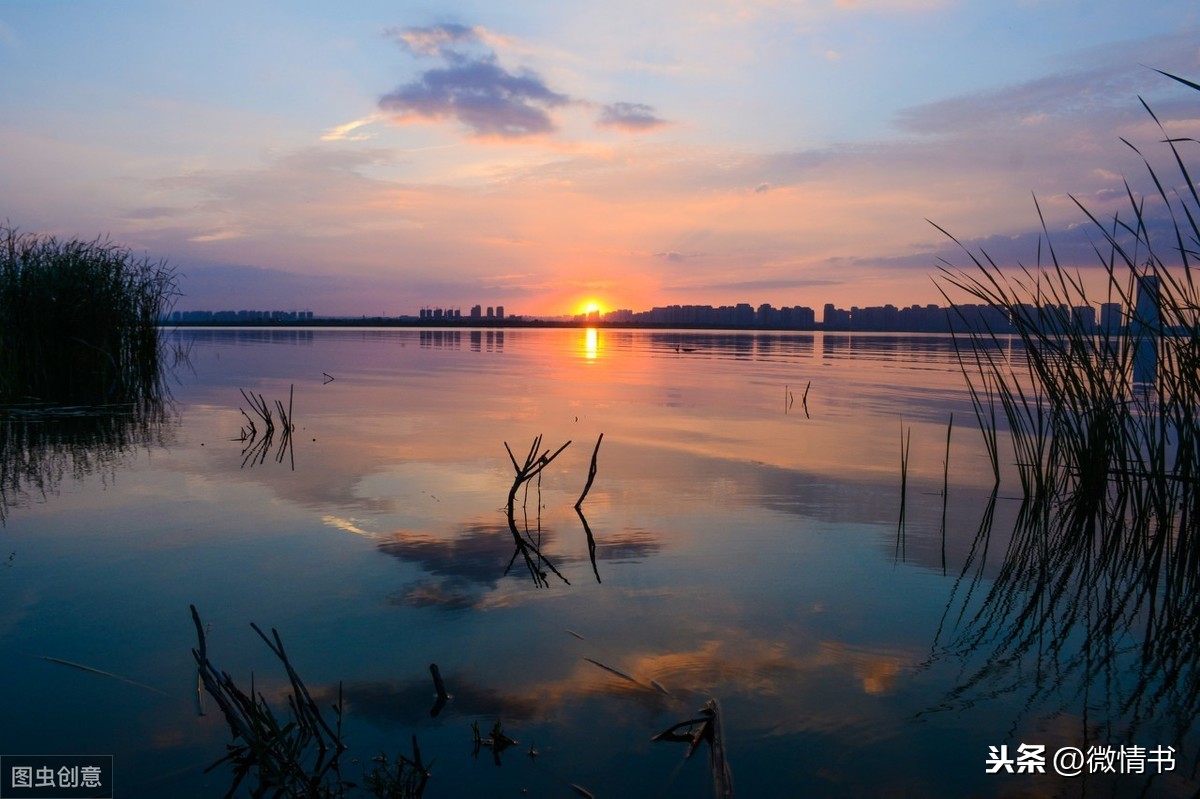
(497, 741)
(620, 674)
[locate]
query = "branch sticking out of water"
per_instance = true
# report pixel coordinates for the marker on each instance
(706, 727)
(302, 756)
(256, 448)
(905, 441)
(591, 473)
(440, 687)
(946, 489)
(103, 673)
(789, 400)
(530, 551)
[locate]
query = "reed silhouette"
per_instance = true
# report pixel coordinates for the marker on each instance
(1083, 419)
(302, 757)
(256, 445)
(1093, 609)
(79, 320)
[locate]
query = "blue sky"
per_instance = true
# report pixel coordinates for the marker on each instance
(377, 157)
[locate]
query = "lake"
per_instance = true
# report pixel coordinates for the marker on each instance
(773, 525)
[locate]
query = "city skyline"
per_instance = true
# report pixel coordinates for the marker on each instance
(1088, 318)
(552, 157)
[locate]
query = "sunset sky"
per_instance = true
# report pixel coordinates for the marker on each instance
(377, 157)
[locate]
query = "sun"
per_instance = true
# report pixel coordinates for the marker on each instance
(590, 306)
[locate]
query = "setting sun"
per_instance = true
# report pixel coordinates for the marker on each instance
(588, 307)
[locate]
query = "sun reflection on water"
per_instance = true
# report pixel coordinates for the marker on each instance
(591, 343)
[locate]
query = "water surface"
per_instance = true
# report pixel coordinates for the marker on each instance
(746, 516)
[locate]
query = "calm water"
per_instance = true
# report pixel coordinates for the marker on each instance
(748, 548)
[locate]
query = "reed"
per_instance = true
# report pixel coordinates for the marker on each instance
(299, 757)
(1087, 420)
(439, 687)
(526, 547)
(256, 447)
(1093, 606)
(79, 320)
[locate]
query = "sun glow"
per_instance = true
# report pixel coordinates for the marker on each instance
(589, 307)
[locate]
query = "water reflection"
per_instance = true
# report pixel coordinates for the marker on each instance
(453, 339)
(256, 445)
(463, 571)
(744, 553)
(1090, 617)
(40, 447)
(249, 336)
(591, 343)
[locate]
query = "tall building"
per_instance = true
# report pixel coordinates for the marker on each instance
(1084, 317)
(1146, 327)
(1110, 318)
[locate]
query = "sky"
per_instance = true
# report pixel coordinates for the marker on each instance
(380, 157)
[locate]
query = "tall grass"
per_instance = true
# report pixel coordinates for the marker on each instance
(1096, 600)
(79, 320)
(1082, 425)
